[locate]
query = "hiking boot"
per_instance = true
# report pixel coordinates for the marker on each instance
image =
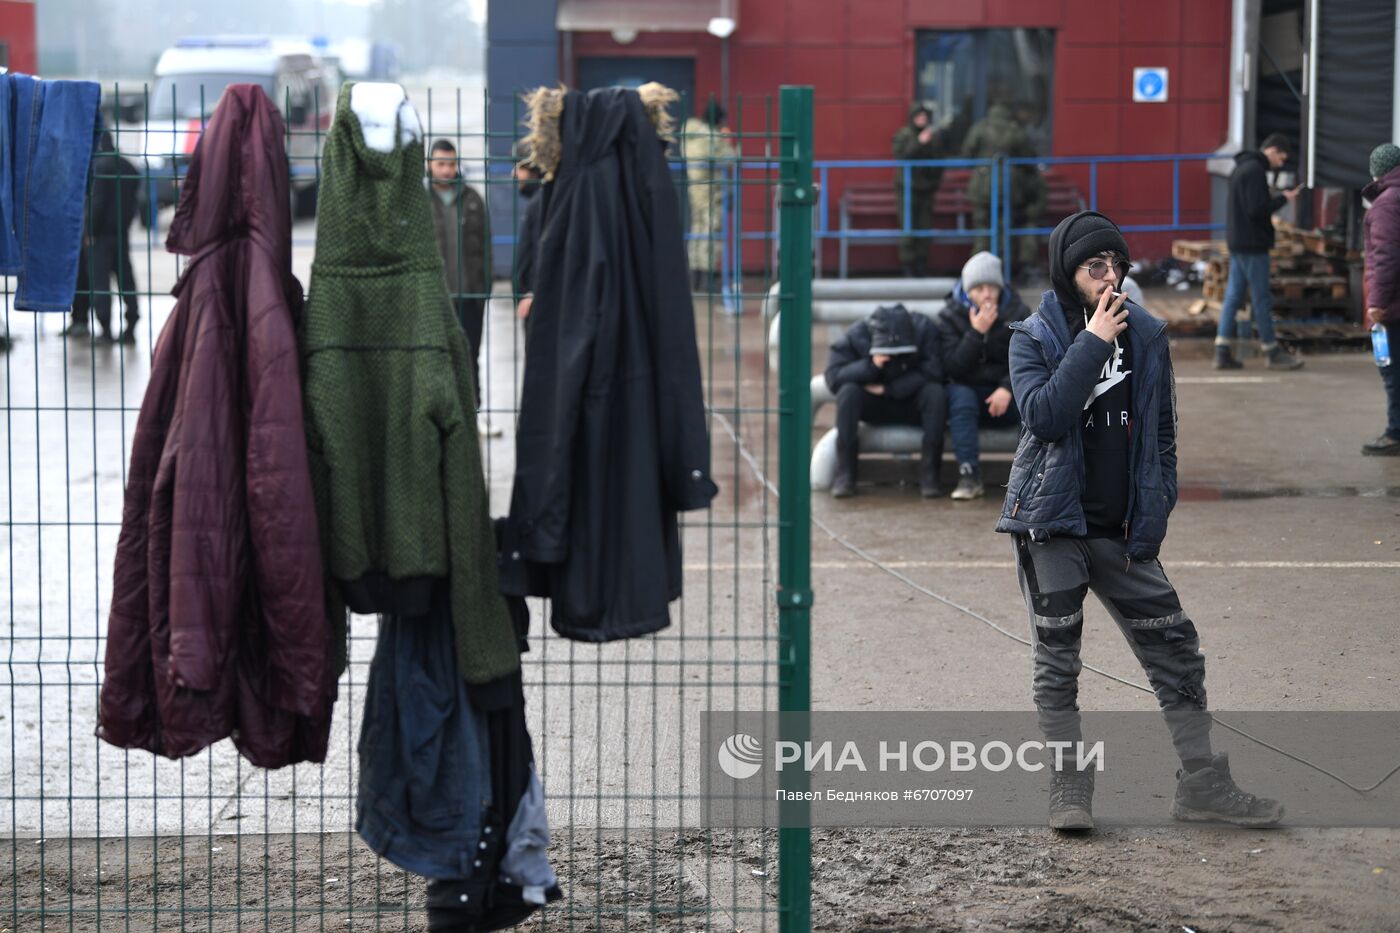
(76, 329)
(1279, 358)
(969, 482)
(1072, 799)
(1225, 358)
(1211, 795)
(1383, 446)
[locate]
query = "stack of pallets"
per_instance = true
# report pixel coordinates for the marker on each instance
(1311, 275)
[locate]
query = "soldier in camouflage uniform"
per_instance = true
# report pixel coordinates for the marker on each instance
(705, 146)
(999, 135)
(917, 139)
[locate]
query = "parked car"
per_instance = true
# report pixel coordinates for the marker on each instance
(190, 78)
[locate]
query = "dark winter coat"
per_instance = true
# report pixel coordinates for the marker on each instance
(115, 197)
(464, 239)
(1051, 377)
(523, 270)
(217, 625)
(1383, 246)
(1249, 226)
(978, 359)
(612, 439)
(888, 328)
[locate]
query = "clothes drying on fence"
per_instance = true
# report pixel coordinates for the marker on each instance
(47, 131)
(390, 403)
(612, 440)
(217, 625)
(447, 787)
(425, 776)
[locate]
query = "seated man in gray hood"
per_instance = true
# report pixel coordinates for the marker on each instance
(886, 370)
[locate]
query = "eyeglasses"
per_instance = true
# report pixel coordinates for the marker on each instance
(1099, 268)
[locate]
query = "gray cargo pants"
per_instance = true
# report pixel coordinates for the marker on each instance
(1055, 576)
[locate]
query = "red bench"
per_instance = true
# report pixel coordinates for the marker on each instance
(873, 207)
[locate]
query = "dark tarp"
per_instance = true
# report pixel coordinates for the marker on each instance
(1355, 87)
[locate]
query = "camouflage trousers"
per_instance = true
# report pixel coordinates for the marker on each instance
(706, 243)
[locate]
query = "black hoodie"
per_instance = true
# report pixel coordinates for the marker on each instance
(1105, 426)
(1249, 226)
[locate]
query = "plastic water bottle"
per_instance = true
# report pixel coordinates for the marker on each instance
(1380, 345)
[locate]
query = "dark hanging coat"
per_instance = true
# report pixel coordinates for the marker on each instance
(612, 439)
(217, 625)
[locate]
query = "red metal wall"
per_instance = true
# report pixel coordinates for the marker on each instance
(859, 56)
(17, 31)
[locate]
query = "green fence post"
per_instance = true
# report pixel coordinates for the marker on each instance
(794, 496)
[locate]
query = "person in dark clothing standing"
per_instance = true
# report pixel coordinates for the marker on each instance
(1250, 236)
(1383, 283)
(527, 182)
(975, 336)
(106, 248)
(1087, 503)
(886, 370)
(464, 237)
(917, 139)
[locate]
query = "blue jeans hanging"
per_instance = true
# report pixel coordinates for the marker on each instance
(47, 130)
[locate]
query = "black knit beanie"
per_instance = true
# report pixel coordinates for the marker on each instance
(1076, 239)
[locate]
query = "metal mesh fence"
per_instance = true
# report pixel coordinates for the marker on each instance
(103, 839)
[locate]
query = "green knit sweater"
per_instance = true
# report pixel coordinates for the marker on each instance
(390, 421)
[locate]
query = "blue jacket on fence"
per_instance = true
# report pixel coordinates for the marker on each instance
(1051, 377)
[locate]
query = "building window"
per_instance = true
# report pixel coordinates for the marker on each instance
(962, 74)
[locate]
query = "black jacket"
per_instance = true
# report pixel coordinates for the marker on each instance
(906, 373)
(1249, 225)
(612, 439)
(523, 273)
(115, 196)
(972, 358)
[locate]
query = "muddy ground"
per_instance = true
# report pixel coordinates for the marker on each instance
(1031, 879)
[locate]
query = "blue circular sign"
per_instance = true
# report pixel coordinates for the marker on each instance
(1150, 84)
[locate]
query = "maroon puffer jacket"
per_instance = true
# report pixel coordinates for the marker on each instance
(1382, 225)
(218, 624)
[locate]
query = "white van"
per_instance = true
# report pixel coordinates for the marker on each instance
(191, 76)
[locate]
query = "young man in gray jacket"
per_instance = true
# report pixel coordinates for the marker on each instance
(1091, 488)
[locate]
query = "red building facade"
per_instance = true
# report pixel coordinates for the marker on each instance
(862, 58)
(17, 46)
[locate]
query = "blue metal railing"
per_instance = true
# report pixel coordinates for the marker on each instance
(1009, 231)
(831, 223)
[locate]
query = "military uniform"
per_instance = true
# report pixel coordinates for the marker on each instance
(997, 135)
(923, 186)
(704, 148)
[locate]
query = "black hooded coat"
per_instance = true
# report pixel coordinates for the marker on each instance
(612, 439)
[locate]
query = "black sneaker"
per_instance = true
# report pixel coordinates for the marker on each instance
(843, 487)
(1279, 358)
(1211, 795)
(1383, 446)
(76, 329)
(969, 483)
(1225, 359)
(1072, 799)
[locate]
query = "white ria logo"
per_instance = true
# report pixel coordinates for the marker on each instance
(740, 756)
